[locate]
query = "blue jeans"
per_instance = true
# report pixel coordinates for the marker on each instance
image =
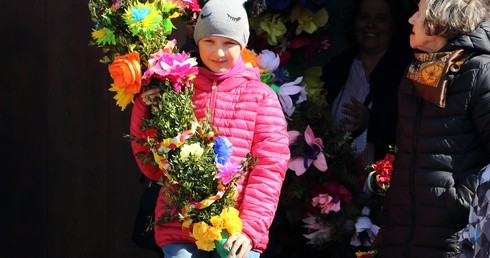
(191, 251)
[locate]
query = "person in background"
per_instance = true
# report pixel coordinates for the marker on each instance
(476, 237)
(362, 82)
(247, 112)
(443, 133)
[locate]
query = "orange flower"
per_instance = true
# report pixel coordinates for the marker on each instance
(126, 73)
(249, 57)
(431, 74)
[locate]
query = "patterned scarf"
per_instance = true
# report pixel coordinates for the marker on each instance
(429, 73)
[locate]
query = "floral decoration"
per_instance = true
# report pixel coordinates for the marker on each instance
(379, 176)
(199, 179)
(323, 192)
(366, 254)
(323, 204)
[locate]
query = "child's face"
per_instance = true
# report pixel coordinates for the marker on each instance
(219, 54)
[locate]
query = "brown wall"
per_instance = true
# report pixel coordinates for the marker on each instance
(68, 182)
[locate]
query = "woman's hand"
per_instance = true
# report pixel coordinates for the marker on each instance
(240, 242)
(149, 96)
(358, 115)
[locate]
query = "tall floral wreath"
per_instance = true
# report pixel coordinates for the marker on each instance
(199, 179)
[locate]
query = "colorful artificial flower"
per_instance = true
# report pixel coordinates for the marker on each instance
(104, 36)
(192, 5)
(205, 235)
(381, 175)
(178, 68)
(143, 18)
(278, 4)
(312, 153)
(126, 73)
(308, 21)
(290, 95)
(223, 148)
(274, 27)
(192, 151)
(338, 193)
(366, 254)
(326, 203)
(268, 60)
(316, 232)
(227, 172)
(366, 231)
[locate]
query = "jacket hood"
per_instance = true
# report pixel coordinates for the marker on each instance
(477, 40)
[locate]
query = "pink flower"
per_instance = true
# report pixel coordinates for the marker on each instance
(326, 203)
(177, 68)
(312, 154)
(192, 4)
(337, 191)
(227, 172)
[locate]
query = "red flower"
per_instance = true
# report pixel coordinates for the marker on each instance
(383, 170)
(335, 190)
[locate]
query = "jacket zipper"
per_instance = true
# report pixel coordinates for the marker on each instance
(418, 117)
(212, 101)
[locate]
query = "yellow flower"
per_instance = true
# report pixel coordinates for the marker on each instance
(314, 85)
(104, 36)
(205, 235)
(205, 245)
(123, 98)
(231, 221)
(274, 27)
(307, 20)
(217, 222)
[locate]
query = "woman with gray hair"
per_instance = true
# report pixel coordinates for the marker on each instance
(443, 132)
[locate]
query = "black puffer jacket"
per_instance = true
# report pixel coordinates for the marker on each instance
(440, 153)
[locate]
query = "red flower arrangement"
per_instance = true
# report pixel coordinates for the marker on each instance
(378, 180)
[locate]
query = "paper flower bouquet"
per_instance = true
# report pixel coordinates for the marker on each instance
(199, 181)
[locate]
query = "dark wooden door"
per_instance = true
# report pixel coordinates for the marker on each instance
(68, 182)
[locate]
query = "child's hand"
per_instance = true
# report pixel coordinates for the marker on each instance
(239, 242)
(149, 96)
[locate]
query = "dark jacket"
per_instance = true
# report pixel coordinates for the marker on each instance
(383, 82)
(441, 151)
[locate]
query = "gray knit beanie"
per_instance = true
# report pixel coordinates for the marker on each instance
(226, 18)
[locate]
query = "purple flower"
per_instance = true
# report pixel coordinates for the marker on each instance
(227, 172)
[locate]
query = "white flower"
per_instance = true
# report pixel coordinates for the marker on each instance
(193, 151)
(366, 231)
(319, 233)
(286, 91)
(268, 60)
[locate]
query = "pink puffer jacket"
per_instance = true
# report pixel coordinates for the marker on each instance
(248, 113)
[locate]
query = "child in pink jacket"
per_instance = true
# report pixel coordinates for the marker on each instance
(247, 112)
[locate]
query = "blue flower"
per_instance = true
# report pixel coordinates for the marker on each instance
(223, 148)
(140, 13)
(278, 4)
